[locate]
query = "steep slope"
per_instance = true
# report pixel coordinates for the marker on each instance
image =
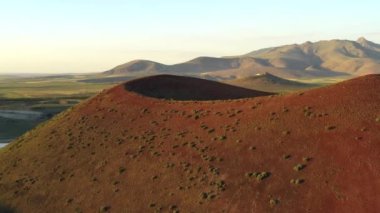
(307, 60)
(187, 88)
(315, 151)
(270, 83)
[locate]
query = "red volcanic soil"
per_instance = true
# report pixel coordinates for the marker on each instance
(317, 151)
(187, 88)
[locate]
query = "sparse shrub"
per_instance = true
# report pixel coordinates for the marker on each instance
(231, 115)
(104, 209)
(307, 159)
(251, 174)
(299, 167)
(308, 113)
(223, 138)
(262, 175)
(329, 127)
(121, 170)
(207, 196)
(258, 175)
(297, 181)
(70, 200)
(214, 171)
(211, 196)
(273, 202)
(204, 195)
(173, 207)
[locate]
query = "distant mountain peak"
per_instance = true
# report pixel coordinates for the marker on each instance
(362, 40)
(266, 75)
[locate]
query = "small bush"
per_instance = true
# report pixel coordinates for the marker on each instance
(274, 202)
(330, 127)
(307, 159)
(258, 175)
(121, 170)
(299, 167)
(262, 175)
(104, 208)
(204, 195)
(297, 181)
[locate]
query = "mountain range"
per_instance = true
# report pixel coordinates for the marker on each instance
(307, 60)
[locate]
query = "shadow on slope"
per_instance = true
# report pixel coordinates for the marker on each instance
(188, 88)
(6, 209)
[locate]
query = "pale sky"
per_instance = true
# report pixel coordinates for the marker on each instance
(72, 36)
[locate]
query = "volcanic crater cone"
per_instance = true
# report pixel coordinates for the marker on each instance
(121, 151)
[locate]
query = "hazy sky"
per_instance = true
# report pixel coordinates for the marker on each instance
(52, 36)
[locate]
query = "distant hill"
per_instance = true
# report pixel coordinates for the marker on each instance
(307, 60)
(137, 67)
(120, 151)
(270, 83)
(195, 66)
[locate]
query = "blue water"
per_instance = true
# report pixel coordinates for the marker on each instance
(4, 142)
